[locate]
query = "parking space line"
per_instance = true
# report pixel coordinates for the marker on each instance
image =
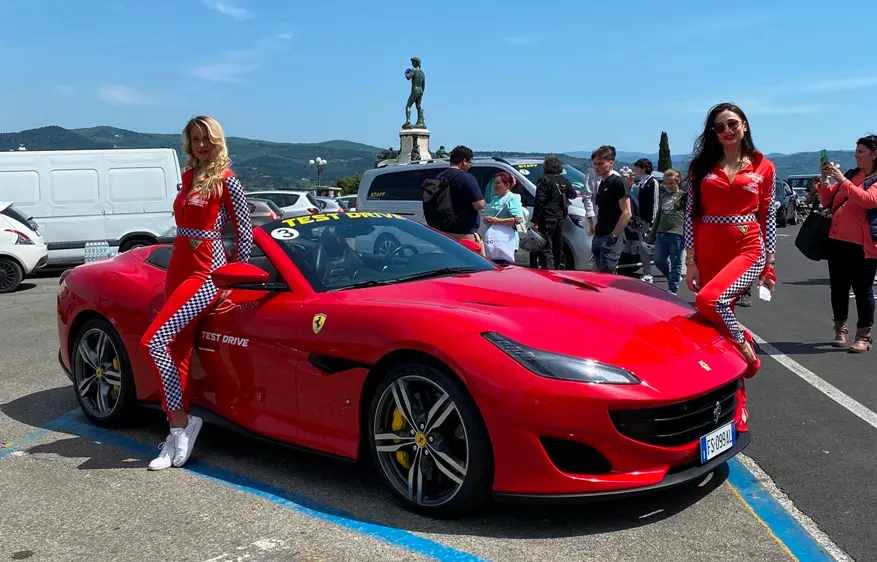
(797, 534)
(820, 384)
(67, 423)
(31, 437)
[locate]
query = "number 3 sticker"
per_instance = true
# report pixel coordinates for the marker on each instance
(284, 233)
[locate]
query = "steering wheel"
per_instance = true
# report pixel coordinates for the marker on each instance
(396, 251)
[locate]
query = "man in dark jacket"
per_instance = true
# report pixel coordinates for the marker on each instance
(553, 192)
(648, 195)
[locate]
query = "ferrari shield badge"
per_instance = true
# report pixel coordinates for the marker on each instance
(195, 243)
(743, 228)
(318, 322)
(704, 366)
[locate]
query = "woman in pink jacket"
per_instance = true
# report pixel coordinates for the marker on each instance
(852, 262)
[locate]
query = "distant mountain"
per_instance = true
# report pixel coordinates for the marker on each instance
(262, 164)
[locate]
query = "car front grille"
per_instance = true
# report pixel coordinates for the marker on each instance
(680, 423)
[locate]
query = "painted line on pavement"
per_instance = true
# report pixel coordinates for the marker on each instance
(31, 437)
(68, 423)
(22, 304)
(823, 386)
(792, 527)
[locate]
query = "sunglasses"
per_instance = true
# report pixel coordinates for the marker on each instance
(731, 124)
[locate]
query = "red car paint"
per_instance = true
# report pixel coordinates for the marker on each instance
(252, 367)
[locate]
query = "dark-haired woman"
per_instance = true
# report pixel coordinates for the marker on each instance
(852, 258)
(730, 222)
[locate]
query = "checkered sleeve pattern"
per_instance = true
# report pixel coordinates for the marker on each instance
(768, 211)
(159, 344)
(688, 222)
(241, 218)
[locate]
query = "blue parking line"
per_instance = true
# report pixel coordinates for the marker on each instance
(27, 303)
(31, 437)
(799, 542)
(283, 498)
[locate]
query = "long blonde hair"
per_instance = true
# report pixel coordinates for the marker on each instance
(209, 175)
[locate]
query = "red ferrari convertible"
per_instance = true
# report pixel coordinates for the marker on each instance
(456, 377)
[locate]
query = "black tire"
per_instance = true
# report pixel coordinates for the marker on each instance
(567, 263)
(125, 403)
(11, 275)
(135, 243)
(385, 244)
(476, 485)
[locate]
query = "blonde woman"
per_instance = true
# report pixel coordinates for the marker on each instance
(209, 196)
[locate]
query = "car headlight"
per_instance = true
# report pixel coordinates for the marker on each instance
(578, 221)
(561, 367)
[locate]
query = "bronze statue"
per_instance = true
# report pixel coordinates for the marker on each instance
(442, 153)
(418, 85)
(415, 153)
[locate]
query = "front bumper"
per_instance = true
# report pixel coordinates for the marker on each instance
(672, 480)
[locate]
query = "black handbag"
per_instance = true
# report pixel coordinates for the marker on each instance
(812, 239)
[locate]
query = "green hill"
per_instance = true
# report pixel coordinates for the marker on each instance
(262, 164)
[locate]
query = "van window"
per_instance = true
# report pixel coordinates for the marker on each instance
(136, 184)
(21, 187)
(401, 186)
(73, 187)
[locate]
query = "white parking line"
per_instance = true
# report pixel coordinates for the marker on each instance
(819, 383)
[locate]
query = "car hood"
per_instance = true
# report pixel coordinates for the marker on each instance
(609, 318)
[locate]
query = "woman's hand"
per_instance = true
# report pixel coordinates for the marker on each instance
(692, 278)
(490, 220)
(768, 279)
(831, 171)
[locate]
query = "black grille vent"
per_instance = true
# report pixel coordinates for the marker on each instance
(680, 423)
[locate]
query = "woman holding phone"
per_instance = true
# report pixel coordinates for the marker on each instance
(852, 241)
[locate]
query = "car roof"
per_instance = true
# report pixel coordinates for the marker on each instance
(4, 204)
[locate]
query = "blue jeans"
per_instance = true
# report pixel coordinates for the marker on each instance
(668, 258)
(606, 254)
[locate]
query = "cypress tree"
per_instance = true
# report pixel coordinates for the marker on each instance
(665, 162)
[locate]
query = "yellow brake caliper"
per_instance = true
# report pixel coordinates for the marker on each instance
(403, 457)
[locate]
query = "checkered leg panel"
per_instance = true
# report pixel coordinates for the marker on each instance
(738, 287)
(241, 217)
(158, 345)
(688, 224)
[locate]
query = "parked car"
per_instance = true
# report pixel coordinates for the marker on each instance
(786, 203)
(396, 188)
(348, 202)
(329, 204)
(292, 203)
(263, 211)
(456, 378)
(22, 248)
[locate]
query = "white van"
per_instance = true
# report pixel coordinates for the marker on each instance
(123, 196)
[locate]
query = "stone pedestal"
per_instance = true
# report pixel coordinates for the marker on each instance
(409, 139)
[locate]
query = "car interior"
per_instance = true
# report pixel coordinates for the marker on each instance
(160, 257)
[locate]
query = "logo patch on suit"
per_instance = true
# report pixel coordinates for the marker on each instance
(195, 243)
(318, 322)
(743, 228)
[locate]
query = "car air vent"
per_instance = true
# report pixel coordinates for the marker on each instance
(486, 303)
(574, 283)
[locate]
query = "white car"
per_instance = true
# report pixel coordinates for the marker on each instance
(21, 247)
(293, 203)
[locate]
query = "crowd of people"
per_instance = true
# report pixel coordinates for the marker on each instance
(722, 221)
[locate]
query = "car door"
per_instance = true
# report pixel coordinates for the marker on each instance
(249, 348)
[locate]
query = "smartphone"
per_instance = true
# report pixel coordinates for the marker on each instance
(824, 157)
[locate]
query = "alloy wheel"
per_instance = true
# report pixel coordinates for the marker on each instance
(421, 441)
(98, 374)
(8, 275)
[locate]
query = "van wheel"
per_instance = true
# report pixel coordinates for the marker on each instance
(11, 275)
(135, 243)
(385, 244)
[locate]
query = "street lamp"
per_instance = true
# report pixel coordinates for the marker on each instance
(319, 163)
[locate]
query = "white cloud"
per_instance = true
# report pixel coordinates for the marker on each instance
(232, 66)
(118, 94)
(228, 8)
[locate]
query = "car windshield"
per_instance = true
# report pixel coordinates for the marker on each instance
(801, 182)
(337, 251)
(14, 213)
(533, 171)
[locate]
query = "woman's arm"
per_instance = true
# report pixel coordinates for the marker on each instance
(767, 213)
(240, 216)
(867, 199)
(689, 223)
(826, 193)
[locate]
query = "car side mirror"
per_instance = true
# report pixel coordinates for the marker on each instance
(472, 245)
(235, 274)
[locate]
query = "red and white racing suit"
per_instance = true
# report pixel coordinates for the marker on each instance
(729, 241)
(189, 291)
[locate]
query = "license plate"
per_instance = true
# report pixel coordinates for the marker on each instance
(717, 442)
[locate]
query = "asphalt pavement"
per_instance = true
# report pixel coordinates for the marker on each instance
(74, 491)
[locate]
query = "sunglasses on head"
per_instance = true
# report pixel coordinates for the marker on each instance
(731, 124)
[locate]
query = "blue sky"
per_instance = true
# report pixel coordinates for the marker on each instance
(547, 76)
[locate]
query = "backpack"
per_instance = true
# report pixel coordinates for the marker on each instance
(438, 207)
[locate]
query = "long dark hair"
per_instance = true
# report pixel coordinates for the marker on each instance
(708, 150)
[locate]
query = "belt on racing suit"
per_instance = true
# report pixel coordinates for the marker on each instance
(199, 233)
(729, 219)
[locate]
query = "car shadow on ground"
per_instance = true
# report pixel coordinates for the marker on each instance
(328, 485)
(23, 288)
(820, 282)
(792, 348)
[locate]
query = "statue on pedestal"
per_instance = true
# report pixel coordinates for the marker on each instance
(418, 85)
(442, 153)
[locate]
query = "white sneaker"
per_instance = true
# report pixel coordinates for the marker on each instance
(647, 278)
(165, 458)
(185, 440)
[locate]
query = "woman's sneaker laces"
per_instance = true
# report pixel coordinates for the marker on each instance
(177, 448)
